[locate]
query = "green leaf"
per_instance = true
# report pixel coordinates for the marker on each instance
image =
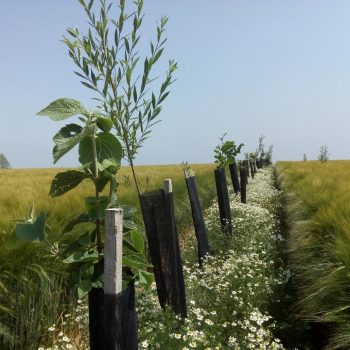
(157, 56)
(107, 145)
(85, 239)
(110, 165)
(137, 240)
(84, 287)
(63, 108)
(88, 270)
(135, 261)
(146, 278)
(82, 256)
(105, 124)
(69, 136)
(75, 276)
(91, 204)
(33, 232)
(103, 179)
(65, 181)
(80, 219)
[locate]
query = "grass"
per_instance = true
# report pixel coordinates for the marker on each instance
(33, 287)
(318, 208)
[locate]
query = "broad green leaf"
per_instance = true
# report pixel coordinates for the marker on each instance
(135, 261)
(129, 211)
(128, 247)
(129, 225)
(137, 240)
(146, 278)
(85, 239)
(69, 136)
(63, 108)
(91, 204)
(64, 182)
(75, 276)
(107, 145)
(88, 270)
(109, 164)
(103, 179)
(80, 219)
(84, 288)
(105, 124)
(81, 257)
(33, 232)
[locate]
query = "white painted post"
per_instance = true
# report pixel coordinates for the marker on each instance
(168, 186)
(113, 251)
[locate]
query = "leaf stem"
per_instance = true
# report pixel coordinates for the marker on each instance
(98, 222)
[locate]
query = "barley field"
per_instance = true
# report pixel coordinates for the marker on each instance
(34, 289)
(317, 198)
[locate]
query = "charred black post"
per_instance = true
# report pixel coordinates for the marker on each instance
(246, 165)
(159, 218)
(223, 200)
(255, 166)
(234, 177)
(120, 320)
(96, 318)
(243, 175)
(198, 219)
(250, 162)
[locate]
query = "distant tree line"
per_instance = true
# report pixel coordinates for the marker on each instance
(4, 163)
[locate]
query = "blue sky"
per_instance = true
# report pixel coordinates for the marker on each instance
(246, 67)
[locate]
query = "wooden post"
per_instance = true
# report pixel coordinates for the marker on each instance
(113, 252)
(223, 200)
(234, 177)
(198, 219)
(120, 331)
(243, 175)
(168, 186)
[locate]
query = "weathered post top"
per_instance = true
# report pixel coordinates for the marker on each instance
(168, 186)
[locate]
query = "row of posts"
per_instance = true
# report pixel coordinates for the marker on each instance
(113, 307)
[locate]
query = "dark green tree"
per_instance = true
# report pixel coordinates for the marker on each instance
(324, 154)
(4, 163)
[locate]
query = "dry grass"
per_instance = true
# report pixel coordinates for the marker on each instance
(20, 188)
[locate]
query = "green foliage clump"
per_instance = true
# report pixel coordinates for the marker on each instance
(225, 153)
(110, 63)
(324, 154)
(262, 154)
(4, 163)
